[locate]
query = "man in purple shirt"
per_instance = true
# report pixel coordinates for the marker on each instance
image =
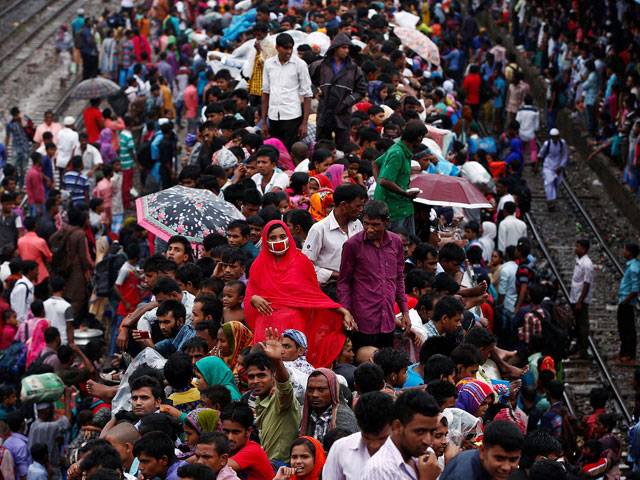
(156, 453)
(371, 279)
(18, 445)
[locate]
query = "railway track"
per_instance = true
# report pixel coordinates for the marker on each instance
(26, 26)
(556, 233)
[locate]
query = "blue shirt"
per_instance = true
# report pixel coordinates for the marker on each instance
(630, 281)
(77, 185)
(465, 465)
(591, 88)
(453, 59)
(414, 379)
(37, 472)
(18, 445)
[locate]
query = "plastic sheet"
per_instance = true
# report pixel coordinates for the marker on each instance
(149, 357)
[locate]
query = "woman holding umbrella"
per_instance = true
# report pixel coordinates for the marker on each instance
(283, 293)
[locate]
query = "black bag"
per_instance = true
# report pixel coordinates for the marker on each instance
(556, 338)
(59, 246)
(144, 155)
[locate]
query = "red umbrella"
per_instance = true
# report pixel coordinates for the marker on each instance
(448, 191)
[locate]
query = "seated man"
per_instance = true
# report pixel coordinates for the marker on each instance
(146, 396)
(157, 457)
(213, 451)
(323, 409)
(238, 232)
(247, 458)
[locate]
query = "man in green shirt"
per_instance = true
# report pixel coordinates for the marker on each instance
(277, 410)
(394, 170)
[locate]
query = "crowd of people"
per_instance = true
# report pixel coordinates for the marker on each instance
(343, 329)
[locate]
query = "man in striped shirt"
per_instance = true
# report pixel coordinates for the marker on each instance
(127, 160)
(76, 183)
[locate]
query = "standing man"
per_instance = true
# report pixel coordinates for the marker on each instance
(341, 84)
(627, 299)
(325, 239)
(511, 228)
(404, 454)
(372, 279)
(554, 154)
(21, 144)
(68, 141)
(394, 169)
(47, 126)
(285, 80)
(581, 293)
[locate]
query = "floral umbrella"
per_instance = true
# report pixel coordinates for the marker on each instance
(419, 43)
(191, 212)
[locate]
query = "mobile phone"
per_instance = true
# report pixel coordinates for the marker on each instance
(144, 334)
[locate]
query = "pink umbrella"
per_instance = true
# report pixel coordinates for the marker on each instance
(448, 191)
(419, 43)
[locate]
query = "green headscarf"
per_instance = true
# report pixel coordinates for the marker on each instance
(203, 420)
(215, 372)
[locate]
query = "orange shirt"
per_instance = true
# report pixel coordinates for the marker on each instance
(32, 247)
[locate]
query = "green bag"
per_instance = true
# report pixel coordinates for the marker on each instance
(44, 387)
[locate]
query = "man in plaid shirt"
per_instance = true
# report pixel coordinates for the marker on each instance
(532, 322)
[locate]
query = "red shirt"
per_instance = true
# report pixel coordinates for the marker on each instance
(253, 462)
(93, 121)
(471, 87)
(34, 183)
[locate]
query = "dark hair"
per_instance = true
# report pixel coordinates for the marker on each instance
(447, 306)
(451, 252)
(480, 337)
(374, 411)
(301, 218)
(166, 286)
(211, 306)
(241, 225)
(234, 255)
(172, 306)
(147, 381)
(37, 308)
(555, 388)
(417, 278)
(57, 283)
(375, 209)
(598, 397)
(307, 443)
(218, 394)
(104, 456)
(412, 402)
(441, 390)
(196, 472)
(51, 334)
(368, 377)
(466, 355)
(178, 371)
(546, 469)
(160, 422)
(156, 445)
(218, 440)
(440, 344)
(438, 366)
(422, 250)
(584, 243)
(238, 412)
(252, 196)
(213, 240)
(633, 249)
(390, 360)
(501, 433)
(509, 208)
(185, 243)
(414, 131)
(538, 443)
(260, 360)
(40, 453)
(189, 273)
(189, 172)
(28, 266)
(195, 343)
(332, 436)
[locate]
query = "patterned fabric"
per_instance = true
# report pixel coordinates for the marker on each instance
(334, 391)
(193, 213)
(19, 141)
(127, 147)
(471, 394)
(297, 336)
(239, 337)
(255, 83)
(322, 423)
(204, 420)
(77, 185)
(320, 203)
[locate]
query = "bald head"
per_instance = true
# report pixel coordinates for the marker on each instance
(123, 433)
(299, 151)
(365, 354)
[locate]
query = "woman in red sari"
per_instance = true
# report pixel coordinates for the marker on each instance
(283, 292)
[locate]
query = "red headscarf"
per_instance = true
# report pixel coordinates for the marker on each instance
(290, 284)
(318, 462)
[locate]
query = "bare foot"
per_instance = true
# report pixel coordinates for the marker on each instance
(101, 391)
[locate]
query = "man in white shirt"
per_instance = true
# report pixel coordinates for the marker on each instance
(349, 455)
(511, 229)
(268, 179)
(581, 294)
(529, 119)
(166, 289)
(91, 158)
(284, 80)
(68, 141)
(507, 294)
(59, 312)
(325, 238)
(21, 296)
(404, 454)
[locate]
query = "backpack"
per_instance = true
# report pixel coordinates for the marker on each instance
(106, 272)
(37, 366)
(59, 246)
(12, 362)
(523, 192)
(144, 155)
(29, 128)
